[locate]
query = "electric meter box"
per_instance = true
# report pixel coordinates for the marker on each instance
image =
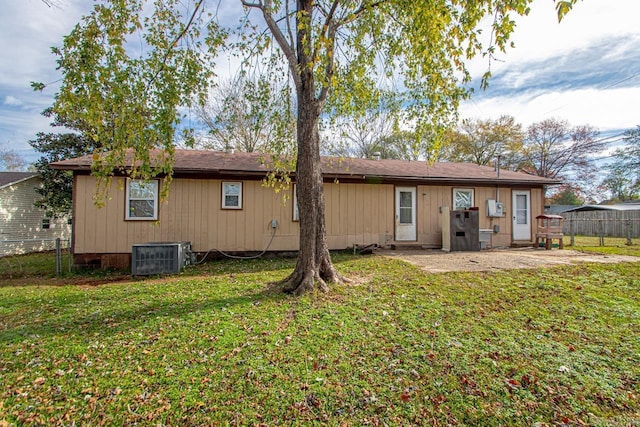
(495, 209)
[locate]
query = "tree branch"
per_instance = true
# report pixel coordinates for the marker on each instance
(288, 22)
(328, 71)
(359, 11)
(287, 48)
(163, 63)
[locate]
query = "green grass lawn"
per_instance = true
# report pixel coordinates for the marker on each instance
(613, 245)
(398, 346)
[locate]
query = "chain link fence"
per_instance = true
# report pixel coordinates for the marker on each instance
(14, 259)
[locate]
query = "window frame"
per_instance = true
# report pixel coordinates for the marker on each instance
(469, 190)
(128, 199)
(45, 223)
(223, 201)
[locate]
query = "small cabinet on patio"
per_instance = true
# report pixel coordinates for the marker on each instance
(549, 228)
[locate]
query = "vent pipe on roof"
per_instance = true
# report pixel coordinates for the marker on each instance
(376, 155)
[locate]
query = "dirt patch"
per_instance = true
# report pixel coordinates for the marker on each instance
(437, 261)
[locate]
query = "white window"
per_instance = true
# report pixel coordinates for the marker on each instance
(231, 195)
(462, 198)
(142, 200)
(296, 213)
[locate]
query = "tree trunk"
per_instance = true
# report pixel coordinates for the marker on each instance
(314, 267)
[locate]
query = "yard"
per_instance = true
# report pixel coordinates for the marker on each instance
(398, 346)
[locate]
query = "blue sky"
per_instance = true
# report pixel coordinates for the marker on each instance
(585, 70)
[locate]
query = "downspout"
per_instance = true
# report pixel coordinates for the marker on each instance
(498, 177)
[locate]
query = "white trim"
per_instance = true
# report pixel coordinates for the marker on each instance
(127, 207)
(9, 184)
(296, 212)
(469, 190)
(224, 195)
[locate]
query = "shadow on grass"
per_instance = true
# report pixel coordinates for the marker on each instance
(120, 309)
(269, 263)
(58, 317)
(39, 269)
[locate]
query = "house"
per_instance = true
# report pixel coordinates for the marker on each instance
(217, 201)
(23, 226)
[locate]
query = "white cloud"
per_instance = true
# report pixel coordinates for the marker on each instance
(583, 69)
(604, 109)
(12, 100)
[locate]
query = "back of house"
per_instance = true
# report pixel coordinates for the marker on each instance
(217, 200)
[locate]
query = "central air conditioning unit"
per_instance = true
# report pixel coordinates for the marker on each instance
(160, 258)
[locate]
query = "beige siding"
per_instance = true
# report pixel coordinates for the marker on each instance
(356, 214)
(21, 220)
(431, 198)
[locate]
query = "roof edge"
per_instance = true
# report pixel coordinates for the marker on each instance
(35, 174)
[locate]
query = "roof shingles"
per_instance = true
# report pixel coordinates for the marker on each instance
(218, 163)
(8, 178)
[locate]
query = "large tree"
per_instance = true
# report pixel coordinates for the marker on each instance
(338, 54)
(482, 141)
(246, 113)
(555, 149)
(626, 160)
(57, 185)
(621, 185)
(10, 160)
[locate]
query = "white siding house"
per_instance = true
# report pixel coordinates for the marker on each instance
(24, 227)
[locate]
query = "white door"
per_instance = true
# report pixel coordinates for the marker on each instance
(405, 213)
(521, 207)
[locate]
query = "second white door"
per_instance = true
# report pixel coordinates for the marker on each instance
(521, 215)
(405, 213)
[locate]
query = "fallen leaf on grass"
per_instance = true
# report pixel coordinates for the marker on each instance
(513, 384)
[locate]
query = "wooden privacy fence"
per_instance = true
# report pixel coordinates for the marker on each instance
(609, 223)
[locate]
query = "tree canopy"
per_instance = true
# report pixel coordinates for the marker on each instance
(57, 185)
(483, 141)
(623, 178)
(246, 113)
(553, 148)
(10, 160)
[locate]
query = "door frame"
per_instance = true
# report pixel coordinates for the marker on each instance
(409, 232)
(520, 232)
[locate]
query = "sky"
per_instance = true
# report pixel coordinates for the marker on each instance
(585, 70)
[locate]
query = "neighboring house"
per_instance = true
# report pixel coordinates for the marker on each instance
(217, 201)
(23, 226)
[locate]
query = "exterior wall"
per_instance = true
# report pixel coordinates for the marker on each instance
(431, 198)
(21, 220)
(356, 214)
